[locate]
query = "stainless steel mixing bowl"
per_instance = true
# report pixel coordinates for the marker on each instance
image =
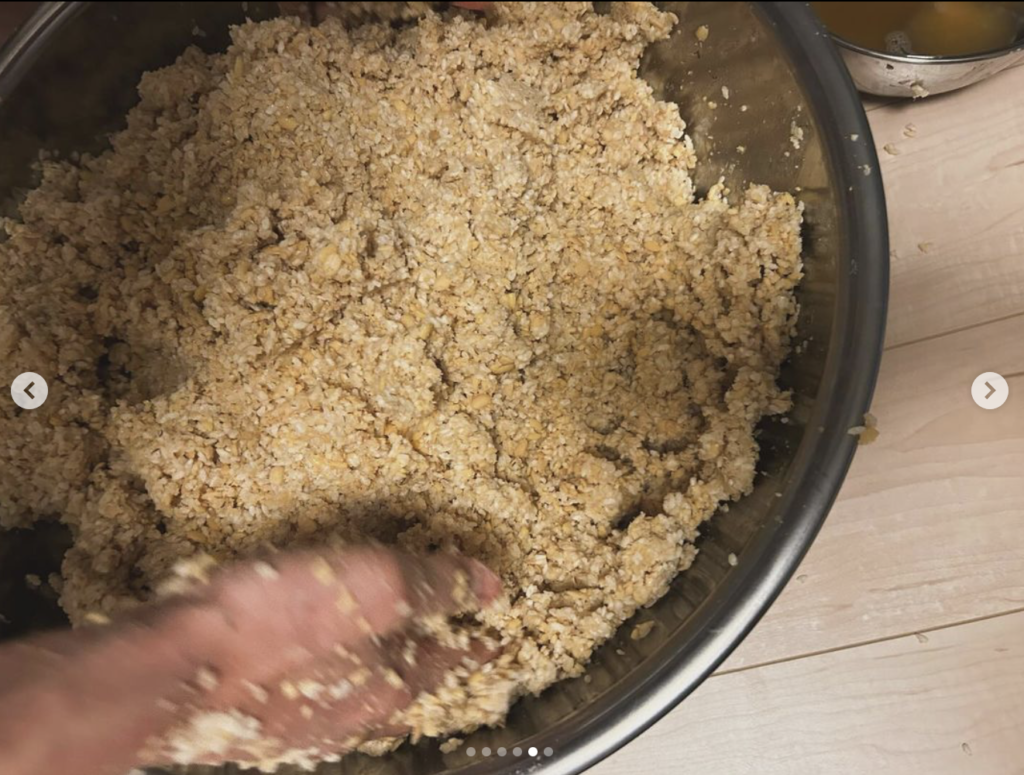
(70, 75)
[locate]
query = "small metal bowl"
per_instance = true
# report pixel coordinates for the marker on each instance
(912, 75)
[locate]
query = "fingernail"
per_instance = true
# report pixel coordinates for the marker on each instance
(486, 584)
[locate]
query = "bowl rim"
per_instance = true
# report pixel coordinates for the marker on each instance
(825, 450)
(928, 59)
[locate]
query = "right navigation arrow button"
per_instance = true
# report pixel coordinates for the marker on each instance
(990, 390)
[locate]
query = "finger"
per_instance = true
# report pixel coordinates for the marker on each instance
(431, 661)
(427, 670)
(324, 709)
(310, 602)
(268, 619)
(162, 663)
(329, 707)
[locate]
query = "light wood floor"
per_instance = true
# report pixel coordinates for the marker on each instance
(899, 645)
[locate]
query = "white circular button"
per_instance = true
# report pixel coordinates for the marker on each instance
(990, 390)
(29, 390)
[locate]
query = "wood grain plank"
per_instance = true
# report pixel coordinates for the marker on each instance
(872, 102)
(954, 191)
(949, 702)
(927, 530)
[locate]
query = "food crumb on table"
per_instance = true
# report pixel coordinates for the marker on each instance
(868, 432)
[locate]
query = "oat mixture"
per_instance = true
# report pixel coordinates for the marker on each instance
(443, 286)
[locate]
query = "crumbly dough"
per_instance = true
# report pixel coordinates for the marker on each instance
(445, 286)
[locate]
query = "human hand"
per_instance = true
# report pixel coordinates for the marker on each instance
(311, 653)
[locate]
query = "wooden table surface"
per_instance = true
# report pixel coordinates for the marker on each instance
(898, 646)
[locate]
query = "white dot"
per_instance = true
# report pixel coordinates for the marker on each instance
(471, 751)
(517, 751)
(486, 751)
(532, 750)
(549, 752)
(501, 752)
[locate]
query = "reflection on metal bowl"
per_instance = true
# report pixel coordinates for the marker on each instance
(911, 75)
